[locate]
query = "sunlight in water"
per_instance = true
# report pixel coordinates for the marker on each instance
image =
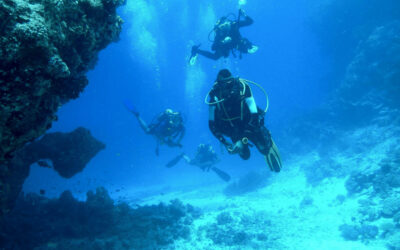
(242, 2)
(208, 18)
(142, 30)
(195, 79)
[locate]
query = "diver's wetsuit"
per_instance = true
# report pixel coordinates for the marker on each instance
(167, 127)
(205, 157)
(237, 116)
(238, 42)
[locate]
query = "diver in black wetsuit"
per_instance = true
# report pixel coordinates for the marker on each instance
(205, 159)
(227, 39)
(167, 127)
(234, 113)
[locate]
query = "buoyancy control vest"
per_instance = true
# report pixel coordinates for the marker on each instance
(229, 98)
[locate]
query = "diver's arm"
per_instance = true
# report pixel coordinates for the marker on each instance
(143, 125)
(251, 104)
(249, 98)
(213, 127)
(247, 20)
(173, 142)
(155, 123)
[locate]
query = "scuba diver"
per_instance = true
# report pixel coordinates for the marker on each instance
(227, 39)
(205, 159)
(167, 127)
(234, 113)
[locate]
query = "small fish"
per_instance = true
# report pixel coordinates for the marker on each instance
(42, 191)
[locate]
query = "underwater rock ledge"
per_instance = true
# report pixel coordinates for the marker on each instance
(46, 48)
(66, 153)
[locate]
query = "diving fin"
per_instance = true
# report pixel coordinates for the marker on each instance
(131, 107)
(193, 56)
(224, 176)
(174, 161)
(273, 158)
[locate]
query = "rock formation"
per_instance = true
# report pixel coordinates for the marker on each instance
(46, 48)
(68, 153)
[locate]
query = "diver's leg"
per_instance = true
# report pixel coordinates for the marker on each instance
(213, 56)
(264, 143)
(261, 138)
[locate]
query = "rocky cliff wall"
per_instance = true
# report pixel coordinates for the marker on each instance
(46, 48)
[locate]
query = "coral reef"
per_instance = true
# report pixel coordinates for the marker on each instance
(46, 47)
(364, 232)
(98, 223)
(250, 182)
(394, 242)
(322, 168)
(382, 181)
(235, 229)
(68, 152)
(381, 207)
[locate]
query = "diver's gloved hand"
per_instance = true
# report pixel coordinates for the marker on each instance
(227, 40)
(195, 48)
(236, 148)
(229, 148)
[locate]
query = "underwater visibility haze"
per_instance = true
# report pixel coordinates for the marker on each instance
(118, 127)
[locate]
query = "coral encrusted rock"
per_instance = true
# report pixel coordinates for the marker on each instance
(46, 48)
(66, 223)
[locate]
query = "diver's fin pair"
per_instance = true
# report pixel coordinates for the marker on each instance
(273, 158)
(129, 105)
(224, 176)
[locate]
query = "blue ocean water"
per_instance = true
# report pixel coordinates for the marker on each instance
(298, 63)
(149, 66)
